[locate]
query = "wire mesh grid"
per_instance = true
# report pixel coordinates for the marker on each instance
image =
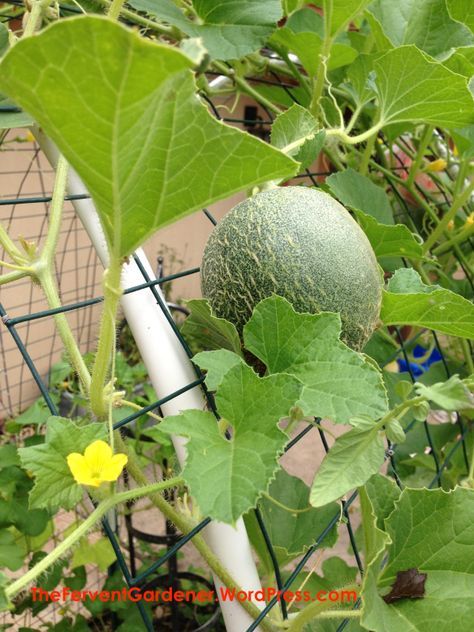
(22, 341)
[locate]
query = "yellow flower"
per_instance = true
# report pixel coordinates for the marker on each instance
(97, 465)
(470, 219)
(437, 165)
(450, 224)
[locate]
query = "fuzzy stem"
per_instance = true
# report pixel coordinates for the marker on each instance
(100, 371)
(10, 248)
(320, 77)
(61, 549)
(443, 224)
(364, 164)
(115, 9)
(34, 19)
(463, 234)
(48, 285)
(321, 610)
(415, 165)
(13, 276)
(43, 269)
(467, 355)
(354, 140)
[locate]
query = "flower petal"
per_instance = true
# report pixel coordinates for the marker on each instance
(78, 466)
(112, 470)
(97, 455)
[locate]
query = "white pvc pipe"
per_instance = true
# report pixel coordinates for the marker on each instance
(169, 370)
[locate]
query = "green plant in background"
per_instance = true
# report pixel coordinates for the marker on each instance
(383, 97)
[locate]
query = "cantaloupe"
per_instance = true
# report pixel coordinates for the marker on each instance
(299, 243)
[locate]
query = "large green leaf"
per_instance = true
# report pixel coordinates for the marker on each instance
(462, 11)
(390, 241)
(217, 363)
(374, 213)
(413, 87)
(290, 533)
(360, 193)
(425, 23)
(338, 382)
(229, 30)
(425, 306)
(226, 477)
(297, 133)
(351, 461)
(134, 130)
(432, 532)
(54, 483)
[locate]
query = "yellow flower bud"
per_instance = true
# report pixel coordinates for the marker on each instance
(437, 165)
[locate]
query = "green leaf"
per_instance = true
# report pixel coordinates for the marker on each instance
(395, 432)
(374, 538)
(360, 193)
(431, 531)
(426, 23)
(408, 281)
(296, 132)
(341, 13)
(351, 461)
(291, 534)
(229, 30)
(383, 494)
(98, 552)
(464, 139)
(390, 241)
(425, 306)
(429, 92)
(11, 554)
(307, 46)
(450, 395)
(8, 456)
(337, 382)
(461, 61)
(208, 331)
(142, 124)
(226, 477)
(4, 39)
(361, 76)
(462, 11)
(54, 483)
(217, 364)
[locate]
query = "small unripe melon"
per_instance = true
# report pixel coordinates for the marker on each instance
(299, 243)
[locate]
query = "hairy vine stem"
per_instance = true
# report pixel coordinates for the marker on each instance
(44, 271)
(99, 512)
(99, 399)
